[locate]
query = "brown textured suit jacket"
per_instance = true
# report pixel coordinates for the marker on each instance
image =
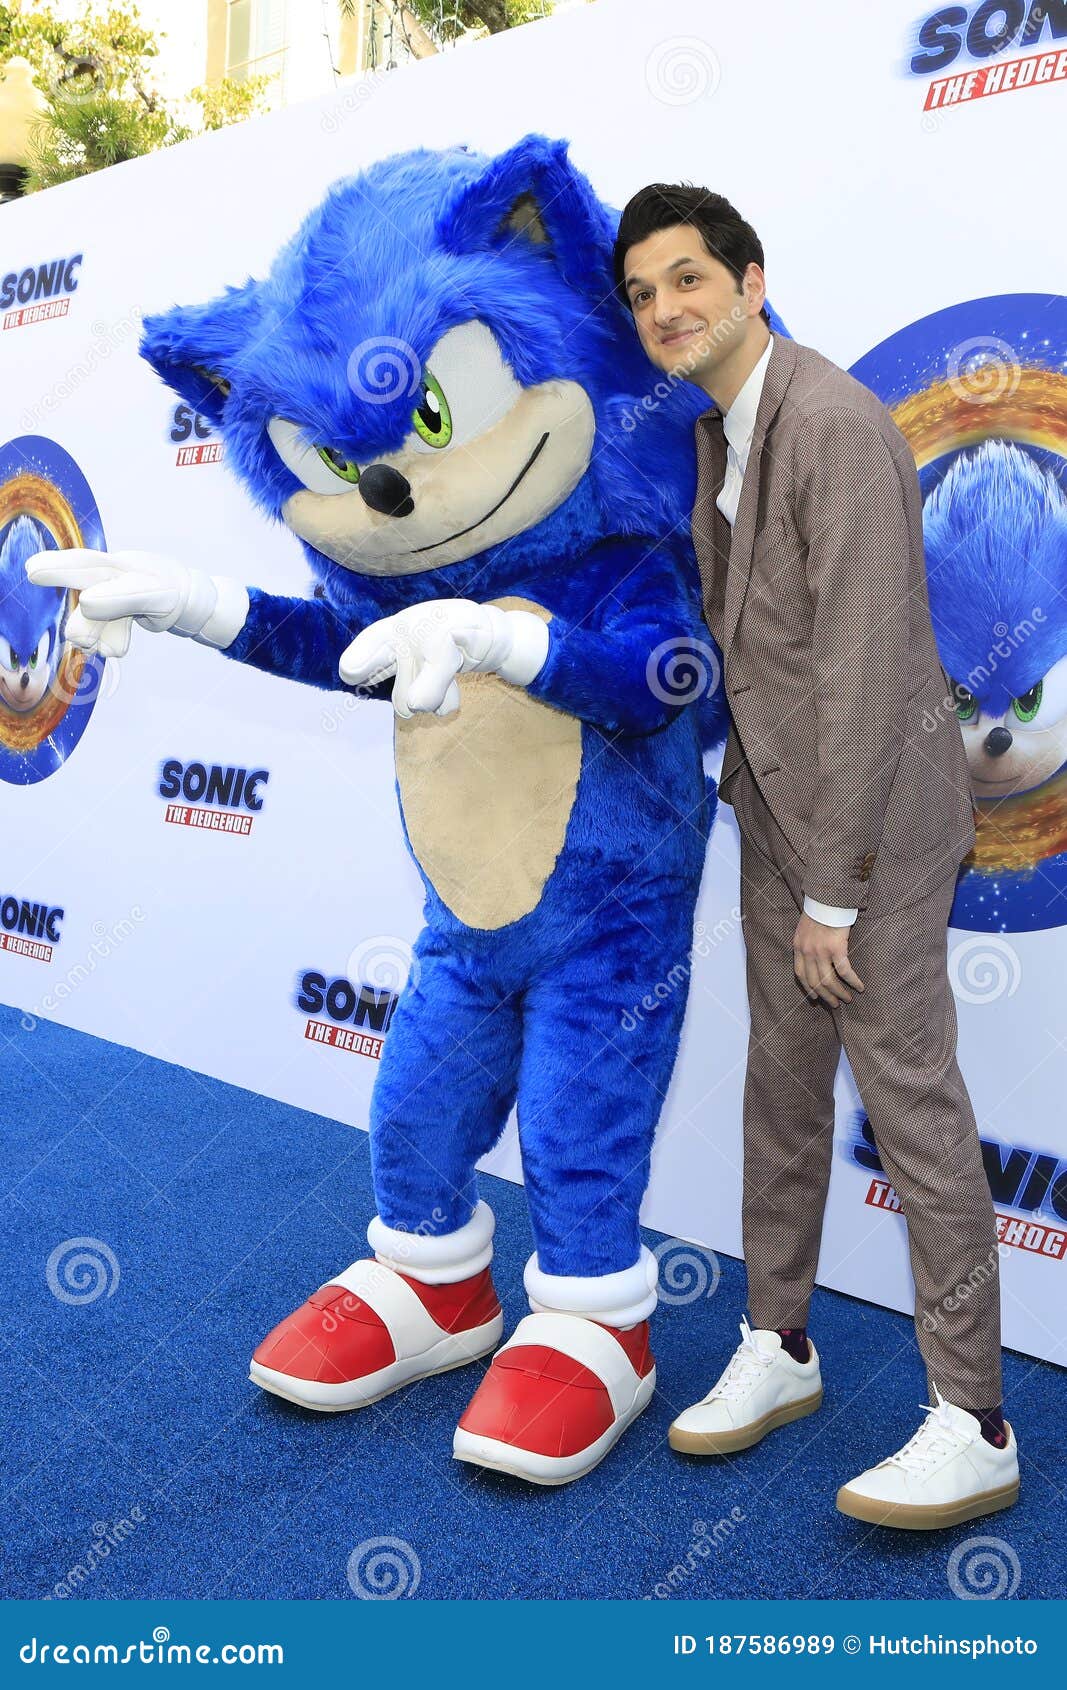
(818, 602)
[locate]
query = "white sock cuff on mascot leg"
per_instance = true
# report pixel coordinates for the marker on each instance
(613, 1299)
(436, 1259)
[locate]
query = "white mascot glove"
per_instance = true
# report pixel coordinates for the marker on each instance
(426, 645)
(118, 588)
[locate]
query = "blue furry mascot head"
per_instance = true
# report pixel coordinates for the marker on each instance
(437, 374)
(996, 545)
(31, 619)
(438, 391)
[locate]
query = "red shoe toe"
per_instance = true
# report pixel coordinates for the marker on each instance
(373, 1332)
(331, 1338)
(548, 1415)
(539, 1400)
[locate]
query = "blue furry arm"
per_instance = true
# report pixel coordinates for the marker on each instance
(635, 660)
(301, 640)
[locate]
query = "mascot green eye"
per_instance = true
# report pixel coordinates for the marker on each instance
(342, 466)
(1027, 706)
(432, 418)
(34, 655)
(966, 703)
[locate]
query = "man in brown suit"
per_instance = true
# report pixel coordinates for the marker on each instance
(847, 773)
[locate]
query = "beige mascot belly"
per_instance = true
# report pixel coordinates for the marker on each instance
(487, 793)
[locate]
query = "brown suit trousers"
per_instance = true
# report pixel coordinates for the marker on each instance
(846, 770)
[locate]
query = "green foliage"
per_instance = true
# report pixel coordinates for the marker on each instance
(229, 101)
(97, 77)
(443, 20)
(112, 44)
(79, 135)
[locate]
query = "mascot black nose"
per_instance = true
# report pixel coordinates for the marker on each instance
(385, 489)
(997, 741)
(24, 680)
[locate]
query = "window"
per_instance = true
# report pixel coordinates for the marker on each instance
(255, 38)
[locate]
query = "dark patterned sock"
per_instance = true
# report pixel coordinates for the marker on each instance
(795, 1342)
(991, 1421)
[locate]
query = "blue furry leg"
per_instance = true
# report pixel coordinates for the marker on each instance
(447, 1082)
(600, 1036)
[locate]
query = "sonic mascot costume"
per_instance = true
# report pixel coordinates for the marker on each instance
(433, 389)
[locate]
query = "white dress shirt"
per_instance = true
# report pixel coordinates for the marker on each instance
(738, 423)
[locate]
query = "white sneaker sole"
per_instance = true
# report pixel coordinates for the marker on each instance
(920, 1517)
(457, 1349)
(741, 1437)
(549, 1469)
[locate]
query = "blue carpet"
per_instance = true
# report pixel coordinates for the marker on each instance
(222, 1209)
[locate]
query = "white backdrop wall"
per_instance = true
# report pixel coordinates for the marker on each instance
(188, 944)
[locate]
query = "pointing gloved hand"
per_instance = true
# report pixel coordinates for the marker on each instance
(117, 589)
(425, 646)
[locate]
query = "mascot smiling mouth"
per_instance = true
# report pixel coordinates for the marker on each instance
(536, 453)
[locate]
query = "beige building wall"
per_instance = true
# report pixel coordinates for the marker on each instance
(305, 45)
(182, 29)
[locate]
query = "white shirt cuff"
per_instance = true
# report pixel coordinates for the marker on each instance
(831, 915)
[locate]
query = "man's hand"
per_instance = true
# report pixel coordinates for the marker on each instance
(820, 961)
(425, 646)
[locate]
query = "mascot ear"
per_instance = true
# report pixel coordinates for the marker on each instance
(533, 195)
(197, 349)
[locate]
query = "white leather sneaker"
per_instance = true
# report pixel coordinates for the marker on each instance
(762, 1387)
(945, 1474)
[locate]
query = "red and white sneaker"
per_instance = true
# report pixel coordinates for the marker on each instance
(372, 1330)
(559, 1394)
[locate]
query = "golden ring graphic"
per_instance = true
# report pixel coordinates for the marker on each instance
(1016, 833)
(949, 415)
